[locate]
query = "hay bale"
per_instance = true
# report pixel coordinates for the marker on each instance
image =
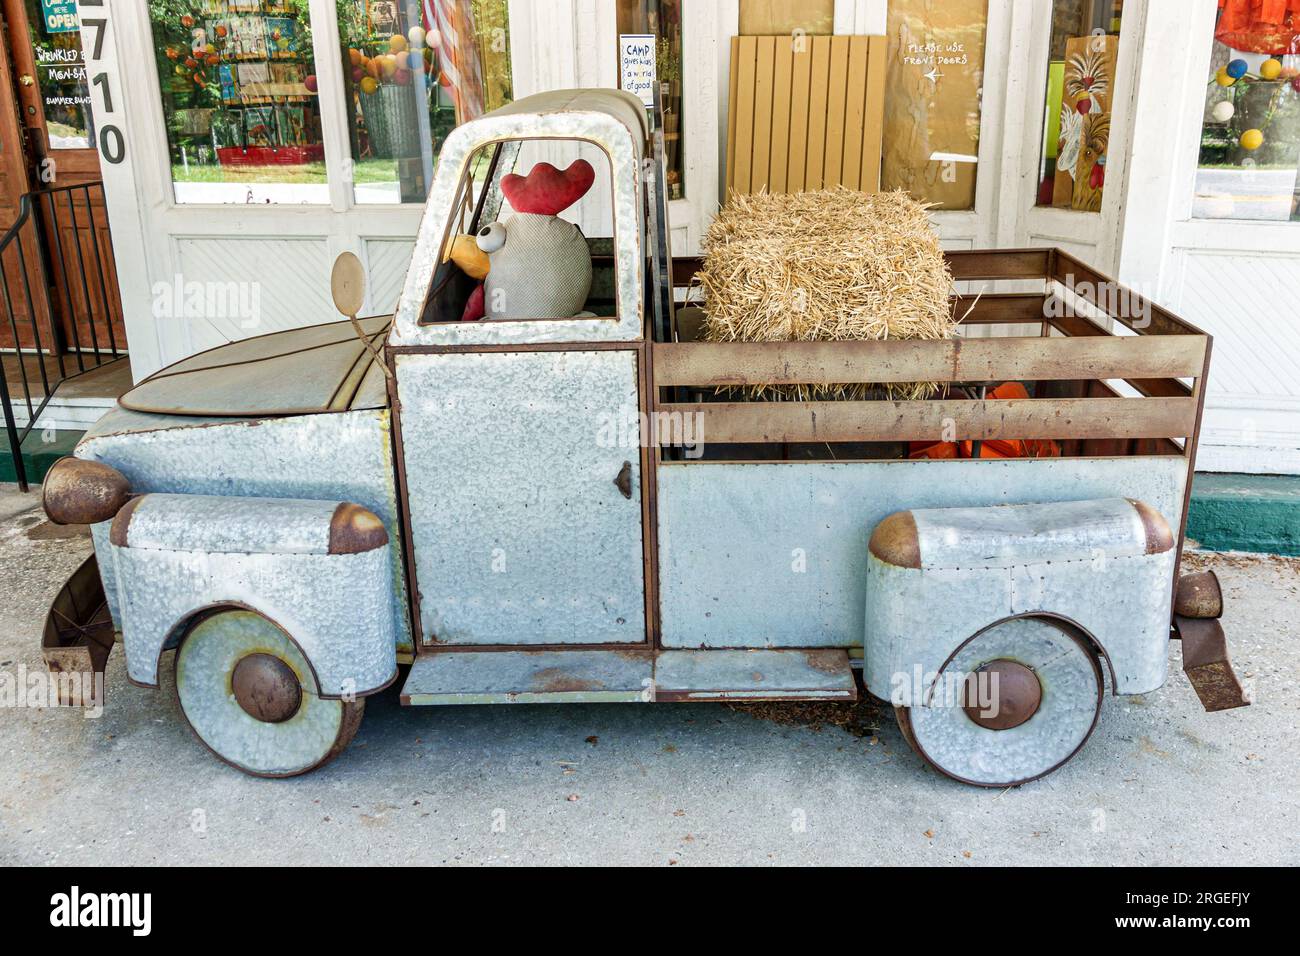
(831, 265)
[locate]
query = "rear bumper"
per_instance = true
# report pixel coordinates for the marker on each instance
(1207, 665)
(1198, 604)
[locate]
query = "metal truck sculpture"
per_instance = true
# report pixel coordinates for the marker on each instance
(300, 515)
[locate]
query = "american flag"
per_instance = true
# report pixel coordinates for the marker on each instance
(451, 33)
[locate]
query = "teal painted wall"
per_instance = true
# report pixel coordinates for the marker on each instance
(1246, 513)
(40, 450)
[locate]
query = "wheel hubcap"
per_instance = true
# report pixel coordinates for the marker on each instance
(1002, 694)
(266, 687)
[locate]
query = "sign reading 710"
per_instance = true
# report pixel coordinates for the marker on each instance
(94, 29)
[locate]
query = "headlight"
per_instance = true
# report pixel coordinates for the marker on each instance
(77, 491)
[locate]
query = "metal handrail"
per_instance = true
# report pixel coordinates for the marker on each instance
(44, 302)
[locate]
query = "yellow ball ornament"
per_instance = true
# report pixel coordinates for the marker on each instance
(1270, 69)
(1222, 78)
(368, 85)
(396, 43)
(1252, 139)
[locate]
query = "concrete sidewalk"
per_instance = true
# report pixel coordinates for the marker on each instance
(1160, 782)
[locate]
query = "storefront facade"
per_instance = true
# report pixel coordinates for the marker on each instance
(245, 144)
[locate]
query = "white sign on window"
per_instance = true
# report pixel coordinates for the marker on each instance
(636, 65)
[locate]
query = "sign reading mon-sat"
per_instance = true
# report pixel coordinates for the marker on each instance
(60, 16)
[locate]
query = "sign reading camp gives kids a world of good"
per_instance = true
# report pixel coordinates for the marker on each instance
(636, 65)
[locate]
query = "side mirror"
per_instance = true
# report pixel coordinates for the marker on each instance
(348, 284)
(348, 289)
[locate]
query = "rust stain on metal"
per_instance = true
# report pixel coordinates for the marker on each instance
(1159, 538)
(78, 491)
(1199, 595)
(1019, 695)
(118, 532)
(556, 680)
(896, 542)
(355, 530)
(827, 662)
(266, 688)
(623, 480)
(1206, 663)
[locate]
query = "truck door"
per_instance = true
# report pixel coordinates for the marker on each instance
(523, 481)
(520, 439)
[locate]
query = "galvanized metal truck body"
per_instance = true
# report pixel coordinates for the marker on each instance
(499, 508)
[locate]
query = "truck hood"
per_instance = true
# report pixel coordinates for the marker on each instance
(320, 368)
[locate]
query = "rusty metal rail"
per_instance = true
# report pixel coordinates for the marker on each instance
(1077, 346)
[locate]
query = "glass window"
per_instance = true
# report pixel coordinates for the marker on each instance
(488, 268)
(933, 83)
(650, 49)
(1076, 111)
(238, 81)
(60, 73)
(1250, 134)
(413, 70)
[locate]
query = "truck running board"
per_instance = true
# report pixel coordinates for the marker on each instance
(627, 676)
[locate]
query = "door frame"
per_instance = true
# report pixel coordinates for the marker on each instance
(83, 164)
(1049, 226)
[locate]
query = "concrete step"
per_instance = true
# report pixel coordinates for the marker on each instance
(1245, 513)
(67, 415)
(41, 449)
(78, 401)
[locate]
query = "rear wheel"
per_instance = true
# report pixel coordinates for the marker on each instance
(1014, 703)
(250, 696)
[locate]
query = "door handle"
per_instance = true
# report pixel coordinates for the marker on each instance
(623, 480)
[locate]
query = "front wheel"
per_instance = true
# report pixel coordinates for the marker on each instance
(251, 697)
(1014, 703)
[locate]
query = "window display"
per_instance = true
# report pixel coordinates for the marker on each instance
(651, 31)
(1250, 134)
(1080, 89)
(933, 84)
(61, 73)
(412, 71)
(239, 90)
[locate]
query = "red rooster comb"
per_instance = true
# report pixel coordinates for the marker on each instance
(547, 191)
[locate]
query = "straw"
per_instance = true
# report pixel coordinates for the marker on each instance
(826, 266)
